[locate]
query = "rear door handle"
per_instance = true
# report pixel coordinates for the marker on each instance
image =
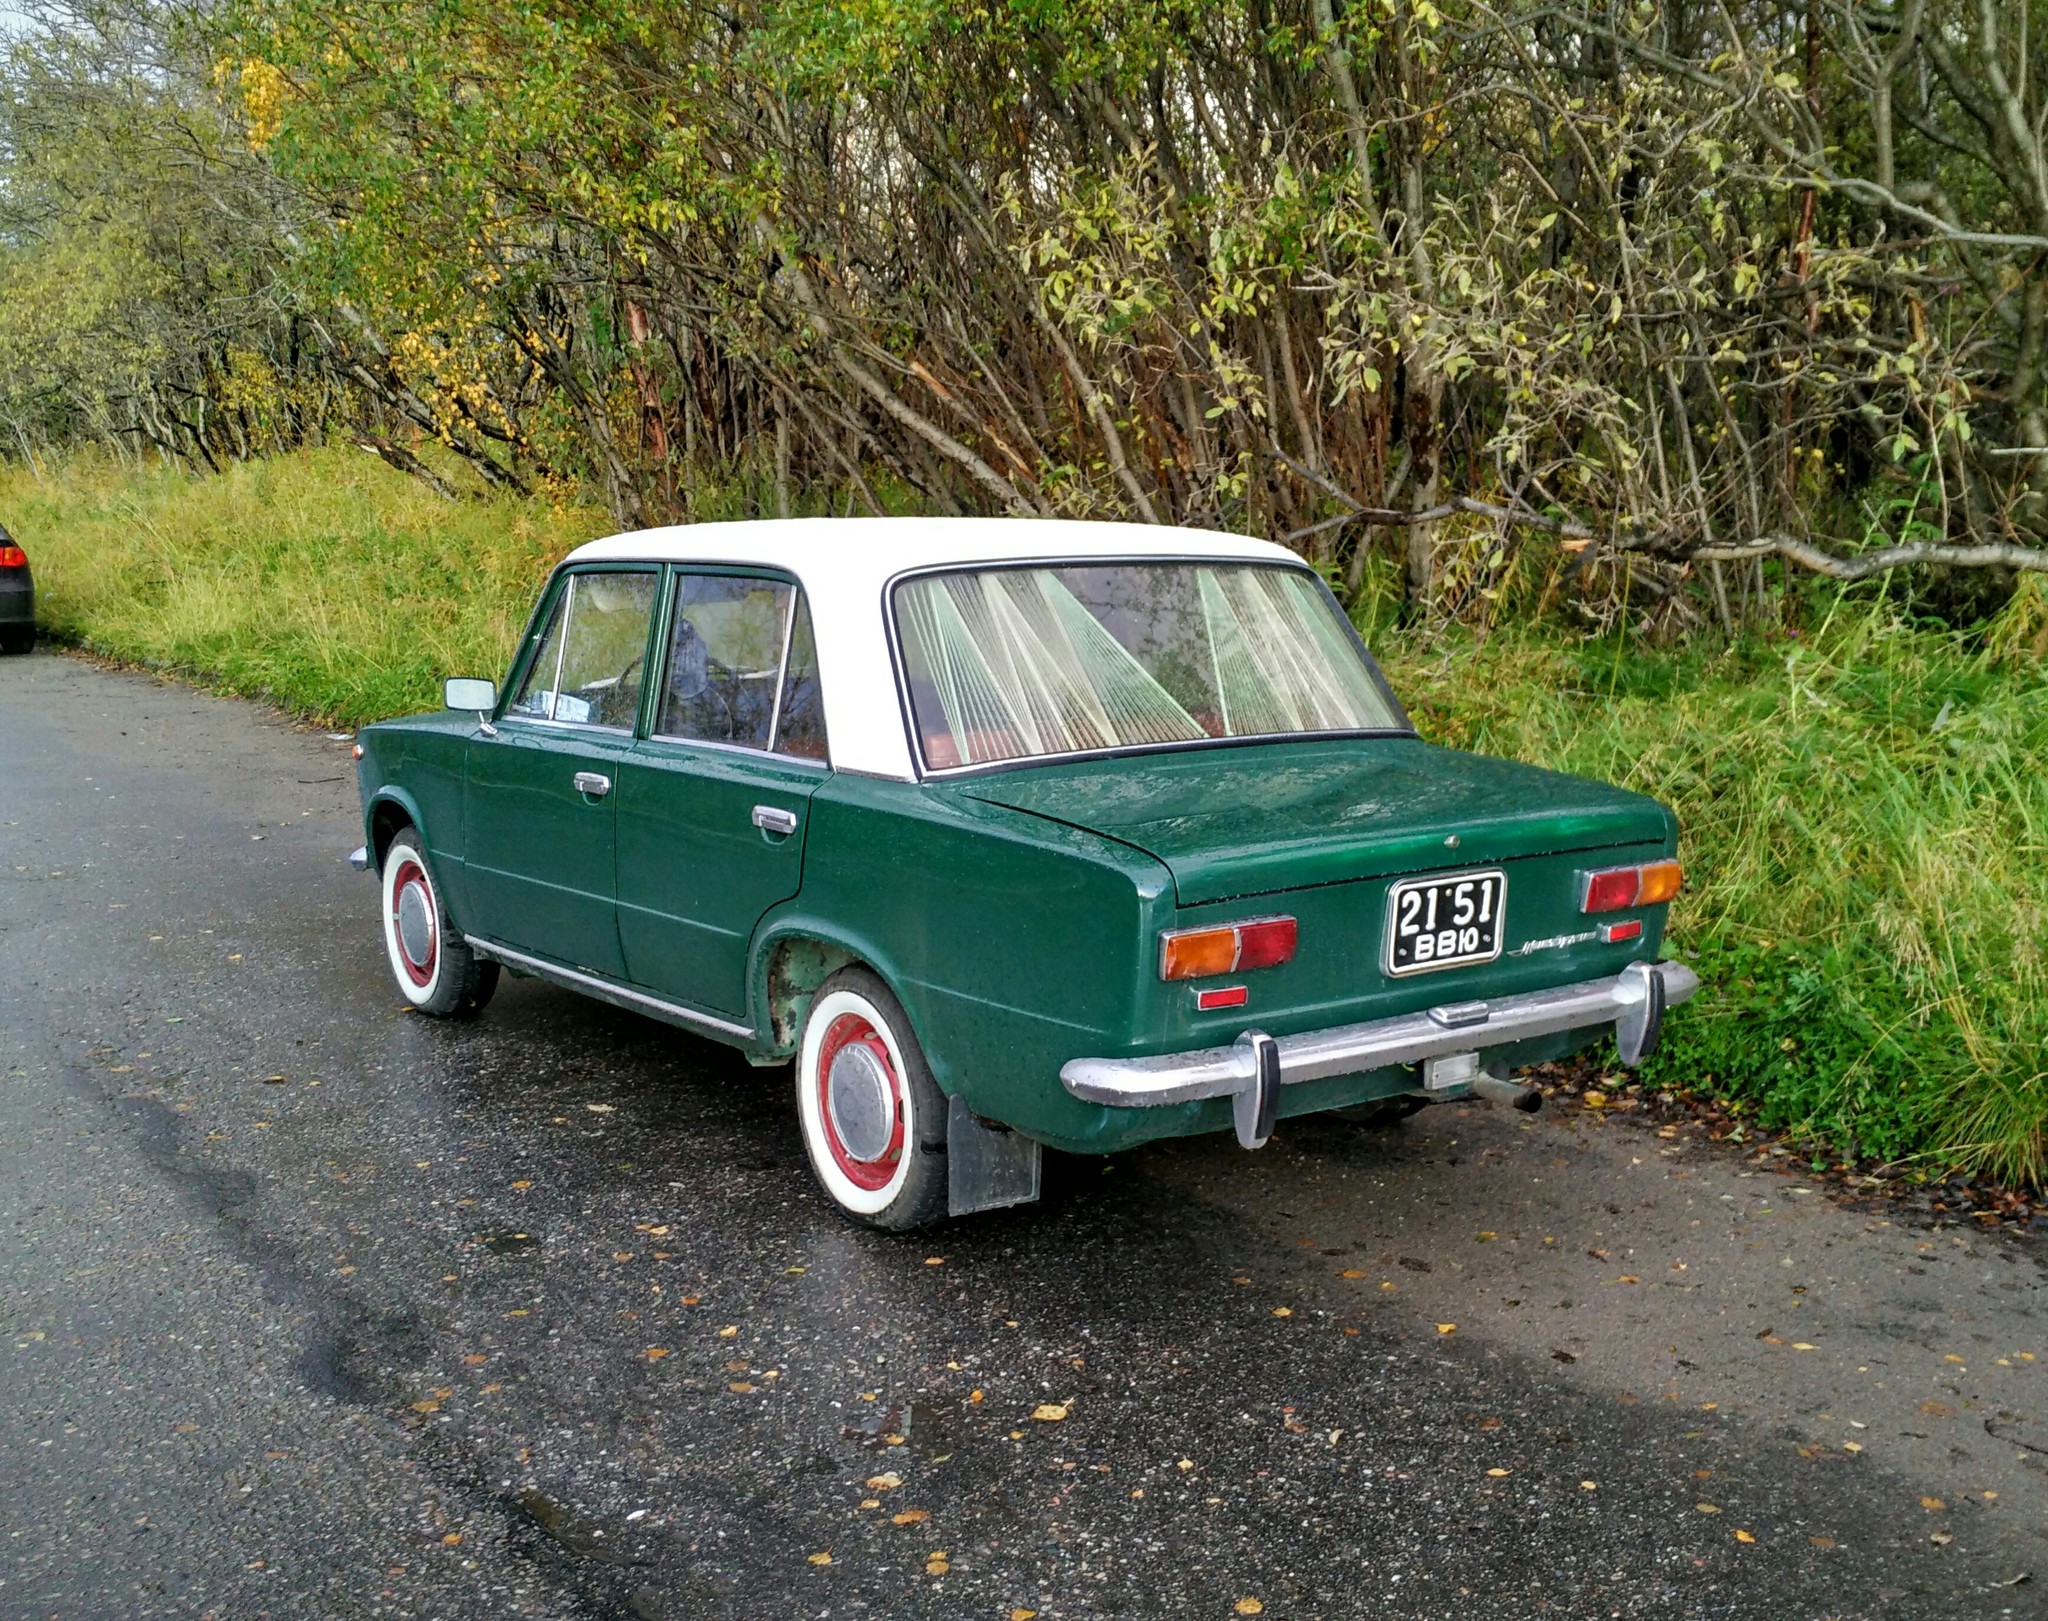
(594, 783)
(774, 819)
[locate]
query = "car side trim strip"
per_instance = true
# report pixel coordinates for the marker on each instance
(606, 990)
(1625, 999)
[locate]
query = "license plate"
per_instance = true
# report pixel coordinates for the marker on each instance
(1449, 922)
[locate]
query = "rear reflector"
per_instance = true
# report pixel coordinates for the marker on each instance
(1616, 887)
(13, 557)
(1615, 933)
(1227, 996)
(1264, 942)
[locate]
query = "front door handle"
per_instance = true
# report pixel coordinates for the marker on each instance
(594, 783)
(774, 819)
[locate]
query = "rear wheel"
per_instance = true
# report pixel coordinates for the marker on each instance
(18, 639)
(873, 1119)
(433, 966)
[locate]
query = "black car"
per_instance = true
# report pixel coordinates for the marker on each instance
(17, 598)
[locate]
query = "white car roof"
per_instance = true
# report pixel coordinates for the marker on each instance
(845, 566)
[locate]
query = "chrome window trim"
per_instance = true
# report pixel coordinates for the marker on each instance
(927, 772)
(747, 749)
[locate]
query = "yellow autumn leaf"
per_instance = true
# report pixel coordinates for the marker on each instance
(1447, 1328)
(884, 1483)
(822, 1558)
(1048, 1412)
(1499, 1474)
(1744, 1536)
(1351, 1272)
(1283, 1311)
(1933, 1505)
(911, 1516)
(654, 1353)
(1249, 1606)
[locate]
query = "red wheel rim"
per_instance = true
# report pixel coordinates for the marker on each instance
(848, 1030)
(411, 883)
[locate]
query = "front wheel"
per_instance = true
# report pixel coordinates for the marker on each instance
(433, 966)
(873, 1119)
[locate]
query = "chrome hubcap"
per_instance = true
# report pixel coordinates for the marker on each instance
(862, 1101)
(415, 925)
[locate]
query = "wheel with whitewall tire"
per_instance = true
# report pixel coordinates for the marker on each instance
(873, 1119)
(432, 964)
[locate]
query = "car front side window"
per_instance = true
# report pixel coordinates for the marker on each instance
(589, 668)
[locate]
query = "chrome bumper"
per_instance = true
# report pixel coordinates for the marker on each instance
(1252, 1069)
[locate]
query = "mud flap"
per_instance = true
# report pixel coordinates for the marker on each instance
(987, 1166)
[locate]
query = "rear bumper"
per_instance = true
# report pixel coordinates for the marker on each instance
(1633, 1001)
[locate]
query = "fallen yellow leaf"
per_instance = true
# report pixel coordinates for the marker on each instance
(1351, 1272)
(1933, 1505)
(976, 1395)
(1023, 1615)
(1801, 1345)
(1499, 1474)
(823, 1558)
(936, 1567)
(884, 1483)
(1707, 1508)
(1744, 1536)
(729, 1332)
(522, 1186)
(654, 1353)
(1589, 1485)
(1249, 1606)
(911, 1516)
(1596, 1100)
(740, 1387)
(1283, 1311)
(1048, 1412)
(1447, 1328)
(451, 1539)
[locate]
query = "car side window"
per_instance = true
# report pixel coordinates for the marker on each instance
(724, 682)
(800, 728)
(589, 668)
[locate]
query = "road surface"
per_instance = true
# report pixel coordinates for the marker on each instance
(315, 1308)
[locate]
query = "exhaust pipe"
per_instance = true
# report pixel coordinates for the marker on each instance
(1495, 1090)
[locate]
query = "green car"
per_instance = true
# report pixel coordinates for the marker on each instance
(1010, 834)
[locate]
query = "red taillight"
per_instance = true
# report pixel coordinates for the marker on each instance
(13, 557)
(1264, 942)
(1616, 887)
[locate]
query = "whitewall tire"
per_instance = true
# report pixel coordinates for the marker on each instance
(431, 963)
(873, 1120)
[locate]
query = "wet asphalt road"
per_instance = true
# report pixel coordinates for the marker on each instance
(315, 1308)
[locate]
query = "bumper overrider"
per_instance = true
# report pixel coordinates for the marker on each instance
(1448, 1042)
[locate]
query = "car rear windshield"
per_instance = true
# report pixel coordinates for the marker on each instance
(1021, 663)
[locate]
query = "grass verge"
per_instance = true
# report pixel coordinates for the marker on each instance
(1865, 810)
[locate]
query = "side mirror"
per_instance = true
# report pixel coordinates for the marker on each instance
(468, 693)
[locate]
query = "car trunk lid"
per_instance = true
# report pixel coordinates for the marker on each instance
(1258, 819)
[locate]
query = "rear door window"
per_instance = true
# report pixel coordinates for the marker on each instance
(732, 641)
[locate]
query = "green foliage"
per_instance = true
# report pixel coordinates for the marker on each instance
(1865, 829)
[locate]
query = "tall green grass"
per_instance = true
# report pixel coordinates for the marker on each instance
(1864, 810)
(1864, 824)
(323, 581)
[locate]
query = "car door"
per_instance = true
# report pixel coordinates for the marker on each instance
(711, 805)
(539, 792)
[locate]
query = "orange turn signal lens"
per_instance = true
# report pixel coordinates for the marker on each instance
(1660, 882)
(1264, 942)
(1197, 953)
